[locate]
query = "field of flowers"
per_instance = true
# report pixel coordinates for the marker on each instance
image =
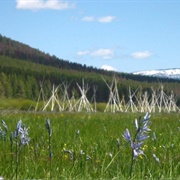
(89, 146)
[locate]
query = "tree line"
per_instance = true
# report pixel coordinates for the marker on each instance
(24, 79)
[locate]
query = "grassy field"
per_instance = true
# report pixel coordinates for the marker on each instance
(88, 146)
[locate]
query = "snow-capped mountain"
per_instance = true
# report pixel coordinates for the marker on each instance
(166, 73)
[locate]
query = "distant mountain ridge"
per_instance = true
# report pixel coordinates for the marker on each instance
(173, 73)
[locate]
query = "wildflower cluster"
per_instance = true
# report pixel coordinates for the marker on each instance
(142, 130)
(22, 132)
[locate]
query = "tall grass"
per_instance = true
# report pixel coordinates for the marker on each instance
(90, 146)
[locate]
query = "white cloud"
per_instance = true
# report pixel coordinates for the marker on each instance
(103, 53)
(108, 68)
(43, 4)
(141, 54)
(105, 19)
(82, 53)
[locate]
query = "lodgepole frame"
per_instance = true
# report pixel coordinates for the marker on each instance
(83, 102)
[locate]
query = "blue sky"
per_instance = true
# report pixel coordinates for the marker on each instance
(120, 35)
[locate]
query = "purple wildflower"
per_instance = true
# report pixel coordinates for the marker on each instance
(127, 135)
(21, 132)
(142, 137)
(19, 124)
(142, 130)
(24, 139)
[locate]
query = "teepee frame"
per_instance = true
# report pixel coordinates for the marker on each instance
(131, 105)
(83, 102)
(114, 103)
(65, 100)
(53, 100)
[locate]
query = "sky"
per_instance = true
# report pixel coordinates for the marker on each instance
(119, 35)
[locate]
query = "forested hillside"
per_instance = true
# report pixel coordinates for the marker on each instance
(23, 70)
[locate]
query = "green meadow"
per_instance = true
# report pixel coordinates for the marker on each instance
(88, 146)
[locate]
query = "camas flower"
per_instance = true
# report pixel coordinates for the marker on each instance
(127, 135)
(22, 132)
(24, 139)
(142, 137)
(142, 130)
